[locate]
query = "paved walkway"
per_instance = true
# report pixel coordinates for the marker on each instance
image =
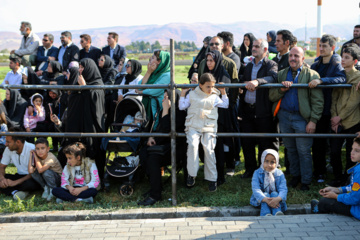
(304, 227)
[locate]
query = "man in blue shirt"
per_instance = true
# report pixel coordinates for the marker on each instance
(68, 52)
(47, 52)
(114, 50)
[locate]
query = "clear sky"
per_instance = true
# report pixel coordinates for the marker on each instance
(71, 15)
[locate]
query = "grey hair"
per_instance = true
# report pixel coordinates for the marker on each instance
(220, 39)
(50, 36)
(263, 43)
(27, 25)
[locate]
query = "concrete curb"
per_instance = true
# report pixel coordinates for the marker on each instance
(143, 213)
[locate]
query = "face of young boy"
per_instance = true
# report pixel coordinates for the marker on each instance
(347, 61)
(37, 102)
(72, 160)
(355, 152)
(207, 87)
(41, 150)
(269, 163)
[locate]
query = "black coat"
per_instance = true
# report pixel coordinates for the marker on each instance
(283, 63)
(94, 54)
(263, 104)
(119, 52)
(72, 53)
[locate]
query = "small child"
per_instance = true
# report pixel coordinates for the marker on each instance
(201, 124)
(343, 200)
(80, 179)
(34, 113)
(44, 168)
(269, 185)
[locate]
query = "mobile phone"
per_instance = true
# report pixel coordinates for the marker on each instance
(33, 160)
(50, 107)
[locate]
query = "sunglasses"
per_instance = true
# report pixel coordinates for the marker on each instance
(127, 65)
(45, 40)
(101, 60)
(212, 44)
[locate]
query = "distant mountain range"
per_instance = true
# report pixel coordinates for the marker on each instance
(180, 32)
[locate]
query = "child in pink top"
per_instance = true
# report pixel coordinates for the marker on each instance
(34, 113)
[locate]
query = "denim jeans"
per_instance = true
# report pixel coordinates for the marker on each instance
(299, 149)
(266, 209)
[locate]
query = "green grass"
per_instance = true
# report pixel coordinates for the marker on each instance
(235, 192)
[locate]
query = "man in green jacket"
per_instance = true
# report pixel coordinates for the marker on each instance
(298, 111)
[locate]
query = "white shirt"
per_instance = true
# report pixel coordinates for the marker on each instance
(13, 78)
(21, 161)
(184, 102)
(133, 82)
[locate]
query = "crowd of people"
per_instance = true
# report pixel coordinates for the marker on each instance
(201, 112)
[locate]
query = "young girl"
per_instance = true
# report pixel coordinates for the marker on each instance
(269, 186)
(343, 200)
(34, 113)
(80, 180)
(201, 123)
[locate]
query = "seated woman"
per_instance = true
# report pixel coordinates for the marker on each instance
(53, 75)
(133, 77)
(153, 159)
(108, 74)
(15, 107)
(158, 72)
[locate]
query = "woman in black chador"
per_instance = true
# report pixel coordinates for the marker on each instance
(86, 111)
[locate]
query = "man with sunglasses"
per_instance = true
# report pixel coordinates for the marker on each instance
(68, 51)
(46, 53)
(88, 51)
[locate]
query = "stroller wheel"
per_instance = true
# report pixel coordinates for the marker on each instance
(126, 190)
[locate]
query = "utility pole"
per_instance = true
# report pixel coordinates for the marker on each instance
(319, 28)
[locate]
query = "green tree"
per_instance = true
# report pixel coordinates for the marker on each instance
(156, 45)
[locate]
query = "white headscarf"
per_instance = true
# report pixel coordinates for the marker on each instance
(269, 180)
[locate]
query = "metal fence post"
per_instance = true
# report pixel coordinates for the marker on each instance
(173, 118)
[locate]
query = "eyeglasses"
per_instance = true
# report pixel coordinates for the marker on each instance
(212, 44)
(45, 40)
(127, 65)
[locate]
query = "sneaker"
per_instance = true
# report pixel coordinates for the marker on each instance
(50, 196)
(230, 172)
(89, 200)
(280, 213)
(295, 181)
(190, 181)
(46, 192)
(321, 178)
(212, 186)
(314, 206)
(304, 187)
(58, 200)
(20, 195)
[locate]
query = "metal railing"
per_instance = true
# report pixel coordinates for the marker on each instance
(173, 134)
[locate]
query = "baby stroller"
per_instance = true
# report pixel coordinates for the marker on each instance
(126, 149)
